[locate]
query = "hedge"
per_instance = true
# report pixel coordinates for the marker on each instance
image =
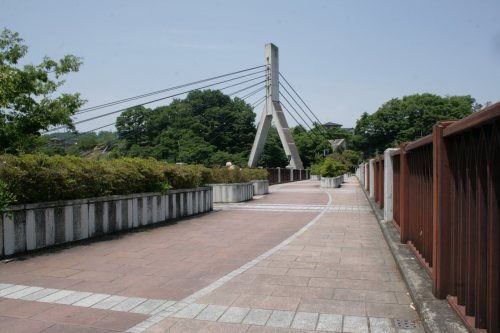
(39, 178)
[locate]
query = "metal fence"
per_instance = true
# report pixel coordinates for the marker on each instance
(446, 203)
(282, 175)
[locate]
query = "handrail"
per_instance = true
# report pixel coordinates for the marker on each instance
(482, 117)
(419, 143)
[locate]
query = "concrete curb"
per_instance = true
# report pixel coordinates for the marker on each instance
(437, 316)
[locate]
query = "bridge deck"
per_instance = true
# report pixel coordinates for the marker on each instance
(298, 259)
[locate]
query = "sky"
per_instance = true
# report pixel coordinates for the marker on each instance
(343, 57)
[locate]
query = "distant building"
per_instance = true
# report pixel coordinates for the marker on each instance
(330, 125)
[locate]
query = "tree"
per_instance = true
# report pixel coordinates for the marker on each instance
(191, 130)
(27, 101)
(407, 119)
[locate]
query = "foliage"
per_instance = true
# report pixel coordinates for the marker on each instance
(351, 159)
(315, 169)
(191, 130)
(332, 167)
(236, 175)
(38, 178)
(407, 119)
(7, 198)
(27, 104)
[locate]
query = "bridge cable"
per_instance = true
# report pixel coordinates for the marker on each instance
(319, 122)
(156, 100)
(96, 107)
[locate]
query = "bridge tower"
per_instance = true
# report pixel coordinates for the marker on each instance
(272, 111)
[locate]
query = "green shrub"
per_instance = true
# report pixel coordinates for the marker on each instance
(315, 169)
(332, 168)
(7, 198)
(39, 178)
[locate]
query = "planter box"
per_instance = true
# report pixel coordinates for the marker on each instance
(260, 187)
(36, 226)
(315, 177)
(334, 182)
(237, 192)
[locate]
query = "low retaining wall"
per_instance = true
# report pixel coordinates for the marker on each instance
(36, 226)
(315, 177)
(260, 187)
(333, 182)
(236, 192)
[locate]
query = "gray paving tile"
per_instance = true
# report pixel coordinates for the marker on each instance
(355, 324)
(163, 307)
(39, 294)
(91, 300)
(190, 311)
(56, 296)
(128, 304)
(234, 314)
(257, 317)
(75, 297)
(5, 285)
(305, 320)
(381, 325)
(23, 292)
(149, 306)
(330, 322)
(212, 312)
(11, 289)
(109, 302)
(281, 319)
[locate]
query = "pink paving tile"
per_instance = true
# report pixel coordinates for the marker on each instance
(17, 325)
(119, 321)
(22, 309)
(71, 315)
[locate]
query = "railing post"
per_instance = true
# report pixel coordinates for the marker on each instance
(388, 182)
(279, 175)
(441, 223)
(403, 194)
(372, 177)
(291, 175)
(367, 176)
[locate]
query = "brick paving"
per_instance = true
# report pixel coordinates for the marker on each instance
(300, 259)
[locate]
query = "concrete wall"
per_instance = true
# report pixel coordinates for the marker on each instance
(333, 182)
(36, 226)
(315, 177)
(388, 182)
(237, 192)
(372, 178)
(260, 187)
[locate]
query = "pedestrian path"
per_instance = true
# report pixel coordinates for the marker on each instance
(300, 259)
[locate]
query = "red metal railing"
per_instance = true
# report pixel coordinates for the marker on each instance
(418, 213)
(279, 175)
(446, 201)
(273, 176)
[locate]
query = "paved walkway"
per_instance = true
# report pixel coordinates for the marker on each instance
(297, 260)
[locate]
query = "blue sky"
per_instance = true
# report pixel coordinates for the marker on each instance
(343, 57)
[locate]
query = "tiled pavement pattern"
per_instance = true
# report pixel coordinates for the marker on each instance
(334, 273)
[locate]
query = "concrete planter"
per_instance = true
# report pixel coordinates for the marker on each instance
(331, 182)
(260, 187)
(237, 192)
(315, 177)
(36, 226)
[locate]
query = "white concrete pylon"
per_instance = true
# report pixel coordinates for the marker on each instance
(273, 111)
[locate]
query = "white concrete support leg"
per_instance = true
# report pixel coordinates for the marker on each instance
(388, 181)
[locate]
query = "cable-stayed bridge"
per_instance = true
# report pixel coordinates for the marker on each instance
(261, 85)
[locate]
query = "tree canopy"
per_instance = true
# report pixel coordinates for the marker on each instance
(206, 127)
(27, 101)
(407, 119)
